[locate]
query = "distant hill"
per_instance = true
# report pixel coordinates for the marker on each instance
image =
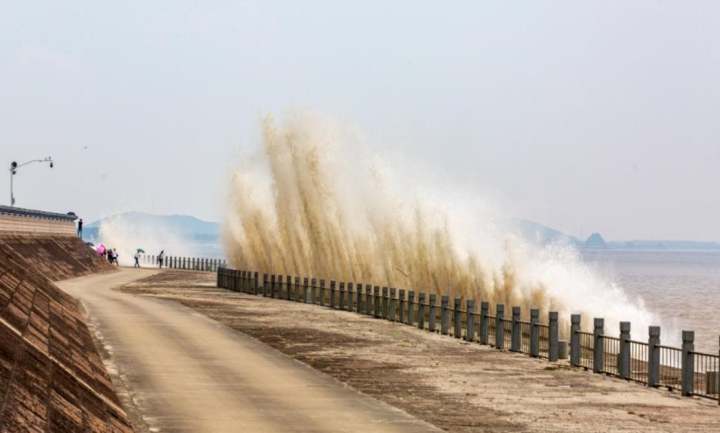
(540, 234)
(180, 235)
(537, 233)
(182, 225)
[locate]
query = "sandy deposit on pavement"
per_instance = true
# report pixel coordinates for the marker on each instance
(185, 372)
(456, 386)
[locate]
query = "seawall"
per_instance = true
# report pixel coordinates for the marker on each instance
(52, 378)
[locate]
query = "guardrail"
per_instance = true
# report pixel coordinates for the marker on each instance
(649, 363)
(205, 264)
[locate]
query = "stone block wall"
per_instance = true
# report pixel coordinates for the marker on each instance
(52, 378)
(18, 220)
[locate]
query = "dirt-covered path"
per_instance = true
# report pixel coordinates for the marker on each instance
(187, 373)
(457, 386)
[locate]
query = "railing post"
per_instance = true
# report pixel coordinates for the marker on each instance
(306, 288)
(310, 291)
(265, 285)
(333, 285)
(688, 364)
(401, 306)
(272, 285)
(554, 337)
(432, 312)
(376, 302)
(296, 289)
(598, 346)
(359, 298)
(624, 355)
(516, 337)
(321, 295)
(499, 326)
(350, 296)
(410, 307)
(341, 290)
(444, 315)
(470, 320)
(256, 283)
(421, 310)
(385, 303)
(575, 351)
(313, 291)
(457, 317)
(393, 304)
(534, 332)
(484, 322)
(368, 300)
(653, 356)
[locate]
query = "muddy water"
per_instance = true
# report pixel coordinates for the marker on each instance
(682, 287)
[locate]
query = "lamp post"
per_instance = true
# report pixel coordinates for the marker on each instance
(14, 166)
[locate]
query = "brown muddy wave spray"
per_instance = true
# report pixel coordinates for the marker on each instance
(309, 204)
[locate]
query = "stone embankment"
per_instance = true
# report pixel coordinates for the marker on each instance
(52, 378)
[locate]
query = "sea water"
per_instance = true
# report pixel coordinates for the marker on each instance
(681, 287)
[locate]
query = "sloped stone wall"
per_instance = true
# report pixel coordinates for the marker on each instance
(52, 378)
(55, 257)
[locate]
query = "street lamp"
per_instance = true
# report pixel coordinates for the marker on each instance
(14, 168)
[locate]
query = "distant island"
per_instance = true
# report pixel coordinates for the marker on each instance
(595, 241)
(539, 234)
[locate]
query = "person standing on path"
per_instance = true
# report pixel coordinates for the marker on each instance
(160, 258)
(137, 260)
(79, 232)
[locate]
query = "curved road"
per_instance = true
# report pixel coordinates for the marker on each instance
(188, 373)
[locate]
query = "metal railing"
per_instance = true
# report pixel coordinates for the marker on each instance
(670, 367)
(587, 349)
(649, 363)
(706, 374)
(544, 335)
(639, 353)
(611, 347)
(205, 264)
(525, 331)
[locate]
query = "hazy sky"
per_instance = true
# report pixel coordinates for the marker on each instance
(585, 116)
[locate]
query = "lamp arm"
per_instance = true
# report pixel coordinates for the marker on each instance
(48, 159)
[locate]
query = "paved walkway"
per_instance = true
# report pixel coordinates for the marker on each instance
(188, 373)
